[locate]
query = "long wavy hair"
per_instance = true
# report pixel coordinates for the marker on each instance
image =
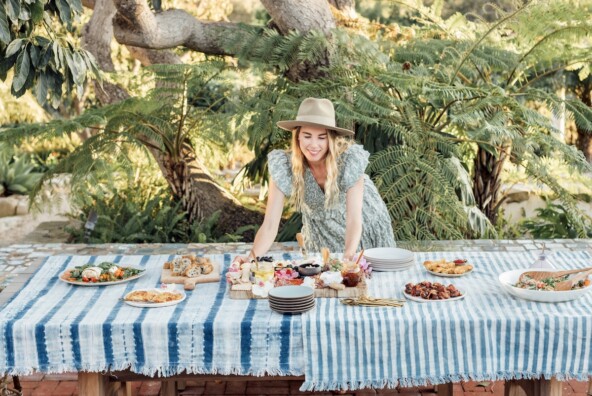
(337, 145)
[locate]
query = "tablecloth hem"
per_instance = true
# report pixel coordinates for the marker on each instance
(152, 371)
(322, 386)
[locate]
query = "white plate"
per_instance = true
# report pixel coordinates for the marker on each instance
(449, 275)
(391, 269)
(290, 300)
(291, 292)
(155, 305)
(131, 278)
(423, 300)
(509, 278)
(395, 254)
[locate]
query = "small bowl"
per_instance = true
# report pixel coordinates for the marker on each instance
(309, 269)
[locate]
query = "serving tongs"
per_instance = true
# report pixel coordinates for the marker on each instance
(540, 275)
(570, 283)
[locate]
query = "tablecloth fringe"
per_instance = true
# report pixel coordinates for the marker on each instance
(309, 386)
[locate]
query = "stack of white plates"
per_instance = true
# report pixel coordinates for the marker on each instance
(389, 259)
(291, 299)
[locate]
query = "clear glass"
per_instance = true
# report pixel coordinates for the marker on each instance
(542, 261)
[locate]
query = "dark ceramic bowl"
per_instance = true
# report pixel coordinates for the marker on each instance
(308, 269)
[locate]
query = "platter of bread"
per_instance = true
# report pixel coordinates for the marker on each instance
(448, 269)
(190, 270)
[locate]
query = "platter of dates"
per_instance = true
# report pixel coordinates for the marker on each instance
(432, 292)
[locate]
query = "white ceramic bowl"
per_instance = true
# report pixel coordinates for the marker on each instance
(508, 280)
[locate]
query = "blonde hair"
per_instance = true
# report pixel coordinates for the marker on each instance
(337, 145)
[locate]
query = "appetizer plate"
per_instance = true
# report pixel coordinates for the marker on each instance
(449, 275)
(154, 305)
(423, 300)
(509, 278)
(106, 283)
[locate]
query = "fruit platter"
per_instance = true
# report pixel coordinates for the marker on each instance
(328, 277)
(102, 274)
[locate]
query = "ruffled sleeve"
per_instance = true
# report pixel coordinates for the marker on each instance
(280, 170)
(353, 165)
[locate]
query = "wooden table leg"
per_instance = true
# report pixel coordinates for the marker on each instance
(168, 388)
(444, 389)
(92, 384)
(590, 386)
(97, 384)
(537, 387)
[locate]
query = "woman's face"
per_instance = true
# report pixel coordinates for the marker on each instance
(314, 143)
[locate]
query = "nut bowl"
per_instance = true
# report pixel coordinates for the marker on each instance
(309, 269)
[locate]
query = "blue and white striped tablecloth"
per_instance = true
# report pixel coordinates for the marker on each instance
(50, 326)
(488, 335)
(54, 327)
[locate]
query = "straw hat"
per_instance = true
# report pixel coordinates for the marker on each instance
(317, 113)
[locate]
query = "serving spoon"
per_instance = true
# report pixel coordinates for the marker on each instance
(569, 283)
(540, 275)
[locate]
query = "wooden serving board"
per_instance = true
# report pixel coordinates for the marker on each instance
(189, 283)
(326, 292)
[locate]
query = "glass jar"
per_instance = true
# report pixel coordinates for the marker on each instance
(351, 278)
(263, 272)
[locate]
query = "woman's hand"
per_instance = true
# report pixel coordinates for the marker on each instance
(240, 260)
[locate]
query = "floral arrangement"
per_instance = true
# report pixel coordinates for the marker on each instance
(364, 266)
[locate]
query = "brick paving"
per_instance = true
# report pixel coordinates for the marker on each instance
(66, 385)
(18, 262)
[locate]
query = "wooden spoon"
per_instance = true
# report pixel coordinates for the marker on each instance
(540, 275)
(325, 254)
(568, 284)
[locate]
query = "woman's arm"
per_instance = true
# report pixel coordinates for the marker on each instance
(269, 229)
(353, 218)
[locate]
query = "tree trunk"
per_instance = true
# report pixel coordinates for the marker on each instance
(584, 139)
(193, 185)
(487, 181)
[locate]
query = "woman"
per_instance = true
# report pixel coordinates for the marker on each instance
(324, 176)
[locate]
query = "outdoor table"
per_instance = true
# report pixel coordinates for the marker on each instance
(50, 326)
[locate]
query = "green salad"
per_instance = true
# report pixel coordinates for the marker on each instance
(102, 272)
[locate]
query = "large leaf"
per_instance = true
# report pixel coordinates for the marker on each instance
(23, 66)
(65, 13)
(4, 30)
(37, 11)
(14, 47)
(76, 6)
(13, 10)
(41, 88)
(5, 65)
(34, 54)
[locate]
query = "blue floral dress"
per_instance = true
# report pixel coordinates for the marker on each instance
(326, 227)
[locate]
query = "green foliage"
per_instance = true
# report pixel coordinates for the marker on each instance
(428, 104)
(159, 123)
(135, 215)
(553, 221)
(17, 175)
(42, 62)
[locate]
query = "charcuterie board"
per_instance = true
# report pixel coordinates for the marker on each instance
(359, 291)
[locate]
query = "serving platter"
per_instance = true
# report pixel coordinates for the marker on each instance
(423, 300)
(509, 278)
(154, 305)
(449, 275)
(326, 292)
(131, 278)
